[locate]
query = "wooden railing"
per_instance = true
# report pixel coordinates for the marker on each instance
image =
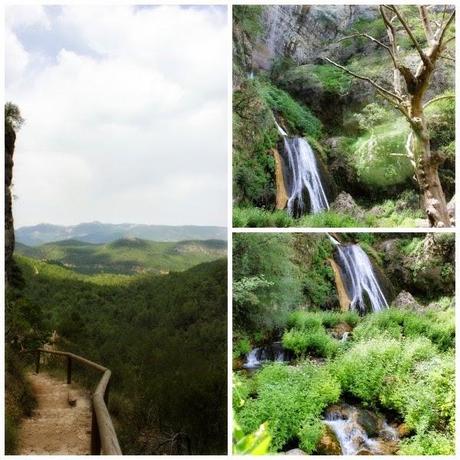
(103, 437)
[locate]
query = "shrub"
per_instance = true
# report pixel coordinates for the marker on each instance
(309, 336)
(304, 320)
(291, 400)
(241, 348)
(369, 367)
(436, 325)
(430, 443)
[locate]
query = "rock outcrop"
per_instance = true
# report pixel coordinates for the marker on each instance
(345, 204)
(10, 138)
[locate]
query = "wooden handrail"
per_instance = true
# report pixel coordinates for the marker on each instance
(103, 436)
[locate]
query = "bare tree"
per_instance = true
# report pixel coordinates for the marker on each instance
(409, 98)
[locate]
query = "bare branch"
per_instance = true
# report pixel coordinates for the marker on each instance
(403, 22)
(392, 97)
(439, 98)
(426, 23)
(447, 57)
(443, 32)
(449, 40)
(373, 39)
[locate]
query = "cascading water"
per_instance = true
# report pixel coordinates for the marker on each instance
(302, 173)
(345, 422)
(360, 280)
(252, 360)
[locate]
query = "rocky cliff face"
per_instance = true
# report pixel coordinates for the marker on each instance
(10, 138)
(302, 31)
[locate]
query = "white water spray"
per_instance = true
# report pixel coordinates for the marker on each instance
(360, 279)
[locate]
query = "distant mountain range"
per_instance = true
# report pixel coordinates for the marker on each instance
(126, 256)
(98, 233)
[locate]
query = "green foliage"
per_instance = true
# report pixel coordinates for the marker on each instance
(13, 118)
(241, 348)
(254, 137)
(267, 282)
(256, 217)
(370, 366)
(248, 19)
(163, 337)
(326, 78)
(19, 399)
(429, 443)
(291, 400)
(379, 155)
(315, 342)
(257, 443)
(371, 116)
(298, 119)
(328, 219)
(316, 319)
(436, 325)
(441, 121)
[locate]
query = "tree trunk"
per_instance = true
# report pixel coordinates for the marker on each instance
(426, 172)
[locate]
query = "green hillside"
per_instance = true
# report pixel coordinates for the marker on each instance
(126, 256)
(163, 337)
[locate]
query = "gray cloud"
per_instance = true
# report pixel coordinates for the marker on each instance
(126, 120)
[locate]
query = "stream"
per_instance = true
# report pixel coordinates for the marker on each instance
(360, 431)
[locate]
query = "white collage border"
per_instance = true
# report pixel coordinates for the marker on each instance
(230, 229)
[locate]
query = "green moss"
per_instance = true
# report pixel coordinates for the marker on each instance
(379, 156)
(325, 78)
(298, 118)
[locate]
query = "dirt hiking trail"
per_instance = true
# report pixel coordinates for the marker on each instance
(56, 427)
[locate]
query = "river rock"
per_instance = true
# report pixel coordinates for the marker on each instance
(345, 204)
(328, 444)
(296, 452)
(451, 210)
(339, 330)
(404, 300)
(403, 430)
(369, 421)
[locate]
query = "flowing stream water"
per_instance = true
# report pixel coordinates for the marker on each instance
(302, 173)
(348, 424)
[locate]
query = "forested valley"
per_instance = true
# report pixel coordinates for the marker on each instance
(344, 344)
(154, 313)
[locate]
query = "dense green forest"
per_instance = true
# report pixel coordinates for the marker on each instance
(126, 256)
(318, 371)
(347, 81)
(163, 337)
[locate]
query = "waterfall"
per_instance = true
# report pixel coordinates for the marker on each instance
(360, 279)
(302, 173)
(252, 360)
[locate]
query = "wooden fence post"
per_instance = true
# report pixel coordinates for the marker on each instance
(37, 362)
(69, 370)
(95, 436)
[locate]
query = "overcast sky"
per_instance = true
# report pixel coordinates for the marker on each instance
(125, 111)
